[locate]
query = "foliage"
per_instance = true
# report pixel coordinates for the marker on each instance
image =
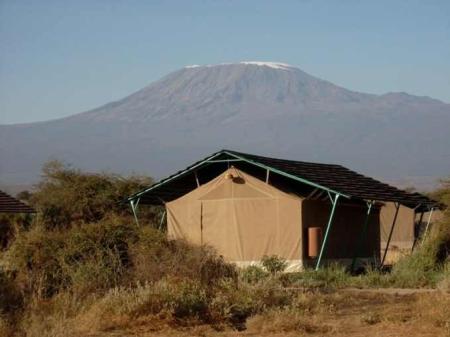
(184, 298)
(10, 296)
(10, 227)
(88, 257)
(442, 194)
(67, 196)
(274, 264)
(253, 274)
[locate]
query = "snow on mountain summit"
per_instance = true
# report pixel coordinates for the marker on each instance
(274, 65)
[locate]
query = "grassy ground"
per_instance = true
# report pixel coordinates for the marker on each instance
(340, 313)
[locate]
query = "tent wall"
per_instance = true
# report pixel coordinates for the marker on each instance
(403, 235)
(242, 218)
(345, 232)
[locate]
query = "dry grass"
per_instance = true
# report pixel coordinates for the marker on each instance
(342, 313)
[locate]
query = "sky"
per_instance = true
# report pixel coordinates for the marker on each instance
(58, 58)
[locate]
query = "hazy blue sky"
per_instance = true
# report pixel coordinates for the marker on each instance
(63, 57)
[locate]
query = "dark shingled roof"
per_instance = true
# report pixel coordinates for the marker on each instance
(326, 177)
(8, 204)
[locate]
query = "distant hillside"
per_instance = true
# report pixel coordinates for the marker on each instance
(266, 108)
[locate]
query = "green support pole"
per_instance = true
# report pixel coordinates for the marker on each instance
(330, 220)
(417, 227)
(397, 206)
(162, 220)
(134, 209)
(428, 224)
(363, 234)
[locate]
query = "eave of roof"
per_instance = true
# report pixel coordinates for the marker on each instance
(8, 204)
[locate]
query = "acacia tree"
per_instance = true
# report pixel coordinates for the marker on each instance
(67, 196)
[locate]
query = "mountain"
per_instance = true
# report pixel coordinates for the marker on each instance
(262, 107)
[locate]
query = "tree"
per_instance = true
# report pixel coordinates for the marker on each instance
(68, 196)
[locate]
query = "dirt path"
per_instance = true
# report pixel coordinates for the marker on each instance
(392, 291)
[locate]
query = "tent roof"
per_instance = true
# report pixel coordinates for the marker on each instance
(308, 179)
(8, 204)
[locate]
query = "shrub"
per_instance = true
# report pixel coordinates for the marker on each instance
(178, 298)
(274, 264)
(87, 258)
(253, 274)
(10, 297)
(425, 265)
(155, 257)
(331, 276)
(10, 227)
(232, 305)
(214, 269)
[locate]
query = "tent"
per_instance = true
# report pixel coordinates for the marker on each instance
(244, 218)
(240, 216)
(247, 206)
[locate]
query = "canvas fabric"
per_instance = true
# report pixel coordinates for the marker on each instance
(403, 234)
(242, 217)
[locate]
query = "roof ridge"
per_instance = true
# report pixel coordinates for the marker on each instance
(287, 160)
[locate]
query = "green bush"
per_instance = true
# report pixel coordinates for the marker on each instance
(178, 298)
(424, 266)
(331, 276)
(214, 269)
(86, 258)
(233, 305)
(253, 274)
(274, 264)
(154, 257)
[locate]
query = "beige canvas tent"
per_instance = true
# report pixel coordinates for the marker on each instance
(245, 218)
(247, 206)
(240, 216)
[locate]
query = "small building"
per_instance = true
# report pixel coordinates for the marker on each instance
(248, 206)
(8, 204)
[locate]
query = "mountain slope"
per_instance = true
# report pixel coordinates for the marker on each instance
(266, 108)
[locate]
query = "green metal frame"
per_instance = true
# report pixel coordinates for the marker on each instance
(223, 160)
(134, 207)
(294, 177)
(397, 206)
(175, 176)
(163, 216)
(327, 231)
(428, 225)
(363, 235)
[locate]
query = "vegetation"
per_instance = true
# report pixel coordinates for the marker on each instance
(83, 266)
